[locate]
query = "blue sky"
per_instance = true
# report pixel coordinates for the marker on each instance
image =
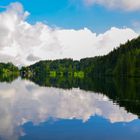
(74, 14)
(57, 29)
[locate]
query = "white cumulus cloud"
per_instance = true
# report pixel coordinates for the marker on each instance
(24, 43)
(127, 5)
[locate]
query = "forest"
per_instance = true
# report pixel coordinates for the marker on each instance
(8, 72)
(123, 61)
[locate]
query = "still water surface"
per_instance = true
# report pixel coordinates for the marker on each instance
(31, 112)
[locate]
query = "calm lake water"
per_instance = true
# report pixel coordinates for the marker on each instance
(93, 110)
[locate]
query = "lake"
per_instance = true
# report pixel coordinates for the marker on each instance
(99, 109)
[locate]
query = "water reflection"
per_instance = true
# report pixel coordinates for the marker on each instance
(123, 91)
(23, 101)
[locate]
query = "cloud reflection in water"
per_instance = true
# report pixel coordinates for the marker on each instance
(23, 101)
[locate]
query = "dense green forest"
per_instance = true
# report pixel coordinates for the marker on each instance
(123, 61)
(8, 72)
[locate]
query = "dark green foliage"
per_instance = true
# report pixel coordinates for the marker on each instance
(8, 69)
(123, 61)
(49, 68)
(8, 72)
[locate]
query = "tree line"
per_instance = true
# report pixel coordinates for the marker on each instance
(123, 61)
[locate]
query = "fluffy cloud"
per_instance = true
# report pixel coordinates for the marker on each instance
(23, 43)
(127, 5)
